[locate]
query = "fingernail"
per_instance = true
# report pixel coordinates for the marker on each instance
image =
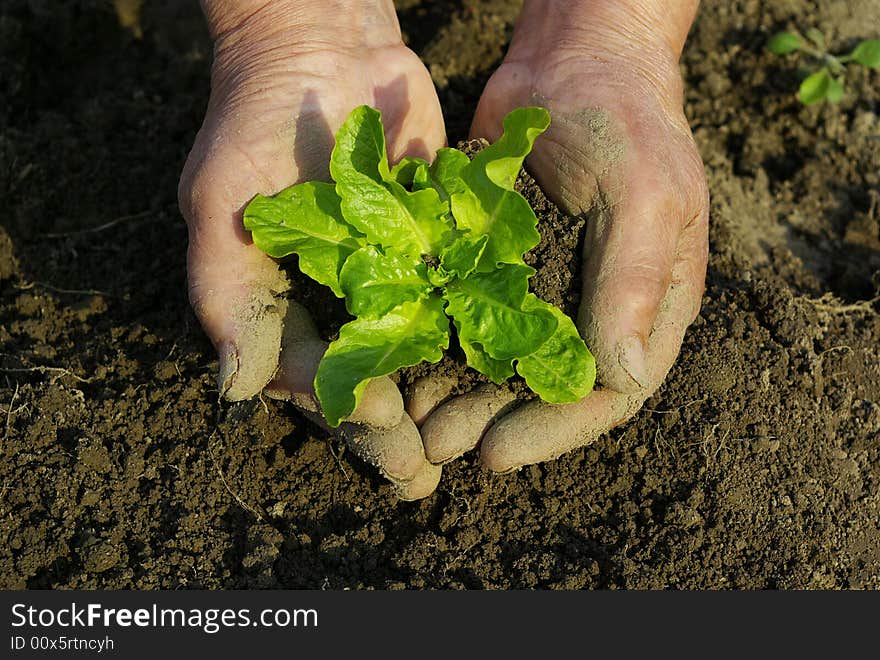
(228, 367)
(631, 356)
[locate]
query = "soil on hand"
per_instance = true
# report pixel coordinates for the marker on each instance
(756, 465)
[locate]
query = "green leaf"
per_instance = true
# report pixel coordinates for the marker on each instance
(496, 370)
(835, 91)
(405, 171)
(815, 87)
(817, 38)
(368, 348)
(460, 258)
(445, 172)
(438, 277)
(784, 43)
(867, 53)
(562, 370)
(422, 181)
(376, 204)
(375, 283)
(306, 220)
(360, 147)
(487, 308)
(489, 205)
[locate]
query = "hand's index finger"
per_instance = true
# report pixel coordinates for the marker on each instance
(541, 431)
(457, 426)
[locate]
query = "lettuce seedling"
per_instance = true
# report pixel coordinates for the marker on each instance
(411, 245)
(826, 84)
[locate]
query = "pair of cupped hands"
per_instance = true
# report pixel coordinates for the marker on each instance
(619, 150)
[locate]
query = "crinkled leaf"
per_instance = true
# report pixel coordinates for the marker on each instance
(438, 277)
(460, 258)
(306, 220)
(445, 172)
(422, 181)
(374, 283)
(503, 159)
(373, 202)
(367, 348)
(422, 210)
(867, 53)
(562, 369)
(405, 171)
(496, 370)
(488, 311)
(489, 205)
(815, 87)
(784, 43)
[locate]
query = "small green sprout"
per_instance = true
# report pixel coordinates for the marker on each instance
(826, 84)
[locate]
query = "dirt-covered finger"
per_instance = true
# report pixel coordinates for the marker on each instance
(629, 252)
(677, 311)
(426, 394)
(236, 291)
(397, 451)
(457, 426)
(379, 431)
(541, 431)
(241, 308)
(420, 486)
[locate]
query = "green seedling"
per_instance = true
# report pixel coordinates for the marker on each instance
(409, 246)
(826, 84)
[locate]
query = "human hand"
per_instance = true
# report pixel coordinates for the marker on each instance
(285, 76)
(620, 150)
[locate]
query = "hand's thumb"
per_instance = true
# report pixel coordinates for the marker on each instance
(629, 252)
(237, 296)
(235, 290)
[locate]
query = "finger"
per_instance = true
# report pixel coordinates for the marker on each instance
(420, 486)
(396, 451)
(457, 426)
(629, 252)
(235, 290)
(242, 316)
(394, 447)
(540, 431)
(426, 394)
(381, 405)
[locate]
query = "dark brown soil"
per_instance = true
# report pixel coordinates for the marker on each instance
(757, 464)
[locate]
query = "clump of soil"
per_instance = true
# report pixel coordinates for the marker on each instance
(756, 465)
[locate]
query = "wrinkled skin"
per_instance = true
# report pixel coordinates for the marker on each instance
(619, 149)
(272, 98)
